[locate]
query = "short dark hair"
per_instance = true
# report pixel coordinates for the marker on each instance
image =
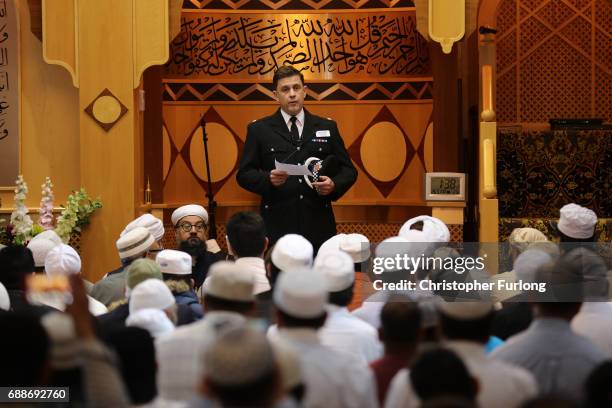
(272, 271)
(477, 330)
(440, 372)
(567, 238)
(312, 323)
(400, 321)
(212, 302)
(16, 262)
(258, 393)
(598, 386)
(286, 71)
(25, 352)
(246, 233)
(343, 297)
(136, 351)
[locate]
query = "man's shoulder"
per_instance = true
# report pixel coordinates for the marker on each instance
(265, 121)
(321, 120)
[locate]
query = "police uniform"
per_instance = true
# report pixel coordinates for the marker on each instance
(294, 207)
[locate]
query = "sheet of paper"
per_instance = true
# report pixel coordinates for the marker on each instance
(292, 169)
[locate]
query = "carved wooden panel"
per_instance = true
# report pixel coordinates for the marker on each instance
(554, 59)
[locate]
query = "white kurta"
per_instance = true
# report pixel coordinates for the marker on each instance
(345, 332)
(595, 323)
(180, 354)
(333, 379)
(257, 266)
(501, 385)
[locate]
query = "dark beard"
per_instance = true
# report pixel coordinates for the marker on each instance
(194, 246)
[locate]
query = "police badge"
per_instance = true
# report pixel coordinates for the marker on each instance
(328, 167)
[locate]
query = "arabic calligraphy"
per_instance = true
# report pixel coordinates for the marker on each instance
(319, 45)
(4, 75)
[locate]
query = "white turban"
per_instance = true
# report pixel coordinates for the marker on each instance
(433, 229)
(186, 210)
(62, 260)
(154, 225)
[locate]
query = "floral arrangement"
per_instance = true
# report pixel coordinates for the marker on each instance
(74, 217)
(21, 223)
(45, 219)
(76, 213)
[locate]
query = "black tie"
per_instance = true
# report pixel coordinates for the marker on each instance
(295, 133)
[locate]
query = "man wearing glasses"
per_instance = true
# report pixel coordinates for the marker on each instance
(191, 226)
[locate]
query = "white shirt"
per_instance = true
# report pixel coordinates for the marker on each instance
(345, 332)
(501, 384)
(333, 379)
(595, 323)
(257, 266)
(96, 308)
(180, 354)
(299, 122)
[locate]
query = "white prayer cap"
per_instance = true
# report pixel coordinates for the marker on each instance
(576, 221)
(155, 321)
(292, 251)
(186, 210)
(301, 293)
(134, 243)
(392, 246)
(227, 280)
(356, 245)
(151, 223)
(401, 246)
(238, 356)
(338, 269)
(433, 228)
(62, 260)
(40, 248)
(520, 238)
(151, 293)
(174, 262)
(50, 235)
(465, 310)
(5, 300)
(528, 262)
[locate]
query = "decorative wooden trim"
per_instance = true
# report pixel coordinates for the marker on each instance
(74, 71)
(316, 91)
(165, 30)
(385, 187)
(105, 126)
(263, 5)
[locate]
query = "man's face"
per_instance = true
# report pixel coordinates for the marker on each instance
(190, 227)
(290, 94)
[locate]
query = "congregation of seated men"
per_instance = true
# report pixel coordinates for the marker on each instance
(279, 324)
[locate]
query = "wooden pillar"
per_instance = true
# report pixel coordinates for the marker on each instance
(106, 45)
(446, 108)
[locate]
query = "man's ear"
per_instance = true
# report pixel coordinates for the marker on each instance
(266, 244)
(305, 86)
(229, 247)
(275, 94)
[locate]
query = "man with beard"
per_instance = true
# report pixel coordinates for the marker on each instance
(191, 226)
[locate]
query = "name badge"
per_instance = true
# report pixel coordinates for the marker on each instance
(322, 133)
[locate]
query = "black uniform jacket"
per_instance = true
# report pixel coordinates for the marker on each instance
(294, 207)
